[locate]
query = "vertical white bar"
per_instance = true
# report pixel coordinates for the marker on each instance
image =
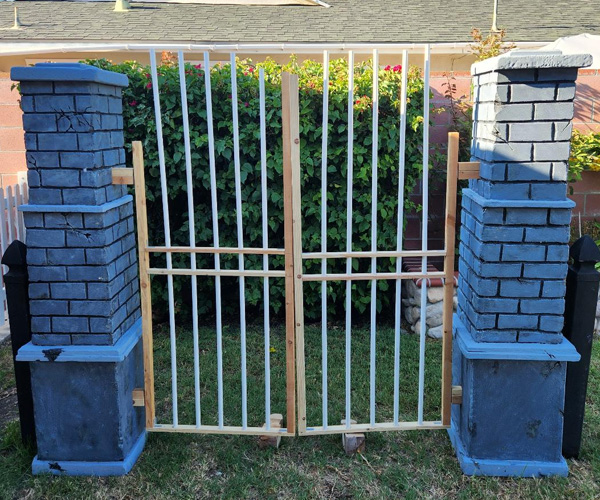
(3, 221)
(240, 234)
(192, 231)
(324, 138)
(425, 215)
(167, 227)
(215, 228)
(349, 176)
(18, 220)
(10, 211)
(265, 231)
(374, 151)
(399, 234)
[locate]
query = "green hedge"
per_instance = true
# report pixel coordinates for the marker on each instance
(585, 154)
(139, 124)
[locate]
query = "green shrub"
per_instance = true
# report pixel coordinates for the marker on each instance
(585, 154)
(139, 124)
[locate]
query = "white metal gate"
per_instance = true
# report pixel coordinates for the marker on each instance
(293, 272)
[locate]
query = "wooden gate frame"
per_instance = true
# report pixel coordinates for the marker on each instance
(295, 356)
(450, 395)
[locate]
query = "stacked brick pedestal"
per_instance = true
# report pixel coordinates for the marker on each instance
(85, 352)
(509, 354)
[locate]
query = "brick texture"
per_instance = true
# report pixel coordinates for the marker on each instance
(513, 252)
(82, 266)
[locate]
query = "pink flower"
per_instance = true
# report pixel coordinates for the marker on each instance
(251, 70)
(387, 68)
(357, 101)
(198, 66)
(149, 86)
(133, 103)
(397, 69)
(245, 73)
(147, 75)
(246, 104)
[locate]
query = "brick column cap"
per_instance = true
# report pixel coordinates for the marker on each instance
(67, 72)
(531, 59)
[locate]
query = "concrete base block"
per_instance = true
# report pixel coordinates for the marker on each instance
(86, 423)
(504, 468)
(510, 422)
(74, 468)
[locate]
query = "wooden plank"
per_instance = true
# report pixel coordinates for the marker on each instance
(378, 427)
(379, 253)
(289, 103)
(276, 422)
(213, 429)
(456, 394)
(220, 250)
(122, 175)
(145, 289)
(370, 276)
(258, 273)
(138, 397)
(468, 169)
(448, 311)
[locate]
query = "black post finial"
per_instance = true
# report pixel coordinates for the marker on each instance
(585, 251)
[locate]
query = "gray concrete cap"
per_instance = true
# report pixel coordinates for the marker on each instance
(67, 72)
(531, 59)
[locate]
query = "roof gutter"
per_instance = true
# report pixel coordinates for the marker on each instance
(48, 47)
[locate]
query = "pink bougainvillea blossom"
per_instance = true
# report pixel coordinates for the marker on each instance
(149, 85)
(133, 103)
(246, 104)
(198, 66)
(387, 68)
(397, 68)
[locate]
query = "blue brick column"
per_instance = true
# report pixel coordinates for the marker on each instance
(509, 354)
(85, 352)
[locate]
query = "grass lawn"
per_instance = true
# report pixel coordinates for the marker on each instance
(406, 465)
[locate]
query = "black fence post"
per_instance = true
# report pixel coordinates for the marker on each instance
(580, 316)
(17, 296)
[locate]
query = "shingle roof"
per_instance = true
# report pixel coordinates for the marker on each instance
(413, 21)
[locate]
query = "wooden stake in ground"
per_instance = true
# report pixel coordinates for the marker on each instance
(272, 441)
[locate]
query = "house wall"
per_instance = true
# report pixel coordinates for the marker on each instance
(587, 118)
(12, 143)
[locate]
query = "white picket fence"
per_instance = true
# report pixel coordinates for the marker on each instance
(11, 228)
